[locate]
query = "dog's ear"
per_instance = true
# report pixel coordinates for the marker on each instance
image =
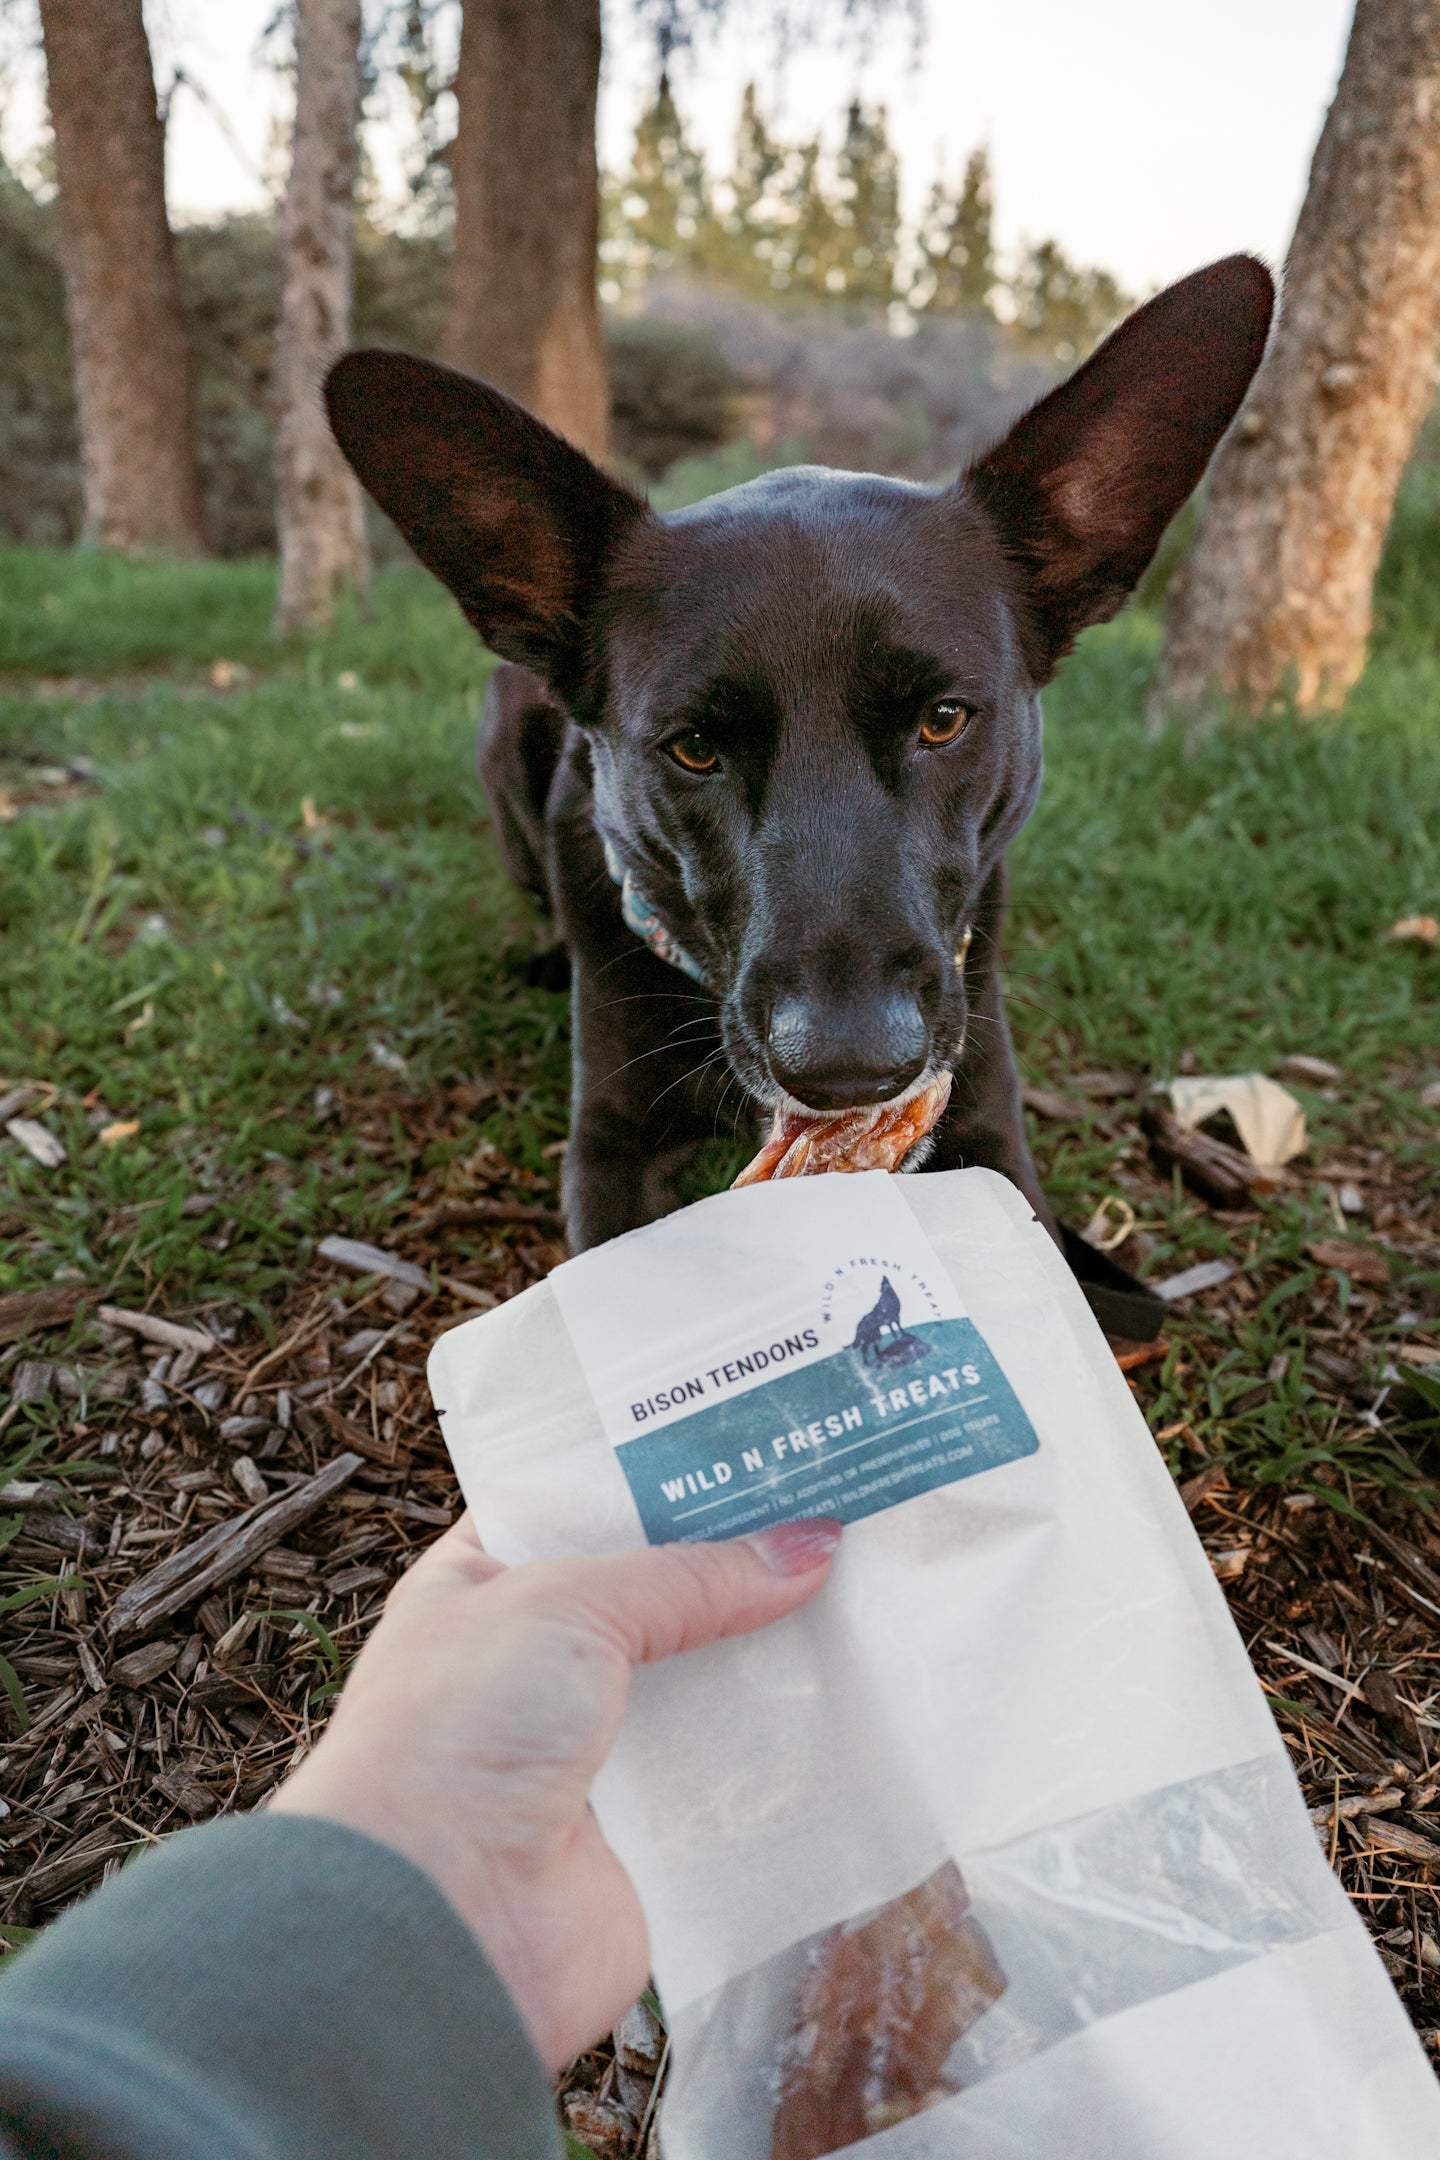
(1085, 483)
(512, 518)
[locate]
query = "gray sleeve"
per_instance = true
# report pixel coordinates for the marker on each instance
(266, 1988)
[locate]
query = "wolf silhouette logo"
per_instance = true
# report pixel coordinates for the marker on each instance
(880, 1337)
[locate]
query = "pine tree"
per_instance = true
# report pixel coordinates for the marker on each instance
(957, 245)
(754, 222)
(868, 207)
(1060, 306)
(665, 198)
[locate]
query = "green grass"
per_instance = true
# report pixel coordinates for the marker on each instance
(186, 944)
(181, 942)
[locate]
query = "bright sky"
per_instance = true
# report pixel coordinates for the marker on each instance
(1145, 135)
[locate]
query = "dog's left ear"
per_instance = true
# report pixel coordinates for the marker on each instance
(516, 521)
(1085, 483)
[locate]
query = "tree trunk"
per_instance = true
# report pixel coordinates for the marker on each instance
(127, 325)
(523, 312)
(1275, 595)
(319, 514)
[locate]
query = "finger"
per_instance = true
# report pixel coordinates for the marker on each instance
(667, 1598)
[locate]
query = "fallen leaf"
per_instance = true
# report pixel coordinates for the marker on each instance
(1413, 930)
(37, 1140)
(1362, 1263)
(1269, 1120)
(120, 1129)
(310, 817)
(7, 808)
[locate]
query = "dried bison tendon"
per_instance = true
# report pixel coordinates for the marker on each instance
(878, 1137)
(884, 2001)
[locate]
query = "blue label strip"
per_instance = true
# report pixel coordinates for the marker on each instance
(850, 1435)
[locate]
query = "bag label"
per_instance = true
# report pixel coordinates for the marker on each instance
(787, 1350)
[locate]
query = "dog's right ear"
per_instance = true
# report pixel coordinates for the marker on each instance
(517, 522)
(1085, 483)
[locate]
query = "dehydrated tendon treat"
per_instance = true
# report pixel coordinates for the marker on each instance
(884, 2001)
(878, 1137)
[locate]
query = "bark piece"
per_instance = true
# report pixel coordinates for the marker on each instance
(1276, 590)
(127, 322)
(884, 2001)
(875, 1138)
(187, 1793)
(1218, 1173)
(76, 1865)
(523, 309)
(1050, 1103)
(225, 1551)
(26, 1312)
(319, 517)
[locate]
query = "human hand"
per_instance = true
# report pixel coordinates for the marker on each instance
(478, 1714)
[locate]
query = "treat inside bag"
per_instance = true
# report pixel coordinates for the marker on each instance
(880, 2008)
(878, 1136)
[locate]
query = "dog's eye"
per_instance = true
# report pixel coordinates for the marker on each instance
(696, 753)
(945, 722)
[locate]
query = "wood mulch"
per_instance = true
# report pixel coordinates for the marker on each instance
(307, 1471)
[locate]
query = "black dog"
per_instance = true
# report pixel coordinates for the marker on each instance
(779, 742)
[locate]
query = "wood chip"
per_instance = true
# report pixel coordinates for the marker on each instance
(1205, 1275)
(169, 1333)
(1362, 1263)
(363, 1259)
(1049, 1103)
(37, 1140)
(78, 1863)
(138, 1667)
(1309, 1071)
(191, 1797)
(1104, 1086)
(27, 1312)
(247, 1476)
(225, 1551)
(1394, 1837)
(1199, 1488)
(351, 1434)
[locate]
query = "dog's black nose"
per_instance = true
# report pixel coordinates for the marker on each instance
(832, 1055)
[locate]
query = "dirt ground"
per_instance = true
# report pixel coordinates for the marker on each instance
(123, 1729)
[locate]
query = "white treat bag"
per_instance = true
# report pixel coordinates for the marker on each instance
(1021, 1669)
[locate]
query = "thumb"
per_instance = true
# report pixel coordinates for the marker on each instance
(663, 1599)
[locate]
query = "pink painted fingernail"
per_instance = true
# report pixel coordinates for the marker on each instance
(795, 1548)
